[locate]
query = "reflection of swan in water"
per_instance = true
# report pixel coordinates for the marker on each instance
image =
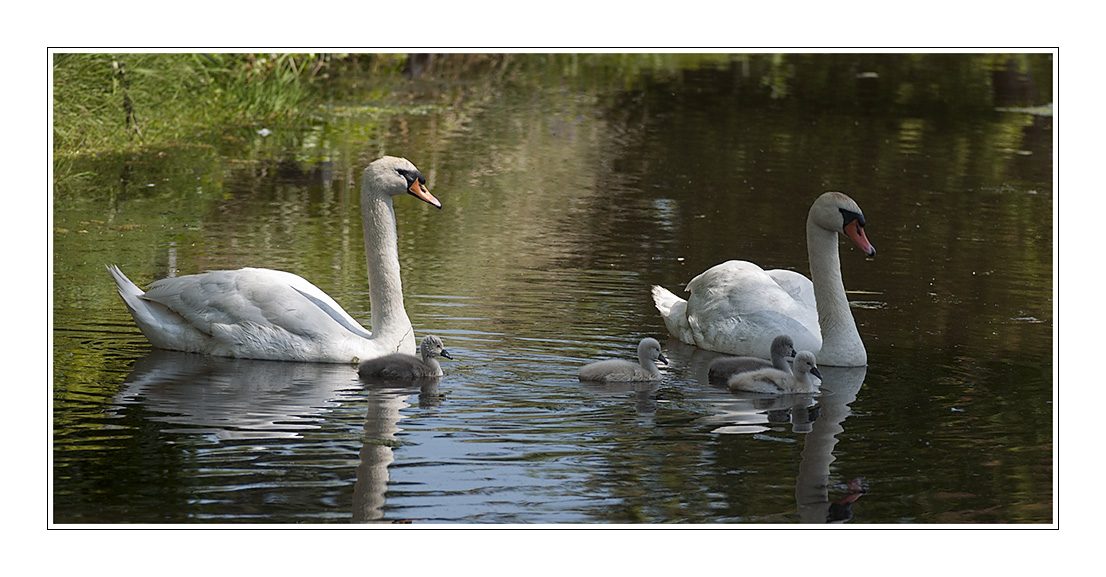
(384, 403)
(840, 386)
(235, 398)
(247, 399)
(820, 425)
(618, 370)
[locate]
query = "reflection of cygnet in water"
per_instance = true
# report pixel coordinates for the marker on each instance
(616, 370)
(722, 368)
(401, 366)
(775, 382)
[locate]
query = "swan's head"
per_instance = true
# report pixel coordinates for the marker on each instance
(650, 349)
(392, 176)
(783, 346)
(839, 213)
(432, 346)
(806, 363)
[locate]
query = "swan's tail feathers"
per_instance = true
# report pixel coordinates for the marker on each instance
(132, 297)
(127, 289)
(149, 321)
(673, 310)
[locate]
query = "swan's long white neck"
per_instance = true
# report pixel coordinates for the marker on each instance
(841, 344)
(378, 218)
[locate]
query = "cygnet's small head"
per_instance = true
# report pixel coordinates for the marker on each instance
(393, 176)
(650, 349)
(837, 212)
(783, 346)
(806, 363)
(432, 346)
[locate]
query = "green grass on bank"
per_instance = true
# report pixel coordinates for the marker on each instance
(123, 101)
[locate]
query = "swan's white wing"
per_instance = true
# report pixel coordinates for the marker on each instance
(252, 297)
(738, 308)
(317, 297)
(797, 286)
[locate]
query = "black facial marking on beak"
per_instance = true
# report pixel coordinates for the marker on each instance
(411, 176)
(850, 216)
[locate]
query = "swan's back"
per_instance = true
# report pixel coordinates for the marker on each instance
(246, 313)
(754, 307)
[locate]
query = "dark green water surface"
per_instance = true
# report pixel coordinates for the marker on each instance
(570, 185)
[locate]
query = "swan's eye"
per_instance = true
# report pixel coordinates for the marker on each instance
(410, 176)
(850, 216)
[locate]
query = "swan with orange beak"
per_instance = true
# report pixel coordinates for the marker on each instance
(738, 308)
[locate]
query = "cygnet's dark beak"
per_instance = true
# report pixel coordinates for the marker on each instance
(660, 357)
(445, 354)
(816, 373)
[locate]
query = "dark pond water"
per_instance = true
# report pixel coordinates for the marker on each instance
(570, 185)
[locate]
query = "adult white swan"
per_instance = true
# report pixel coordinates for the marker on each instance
(259, 313)
(738, 308)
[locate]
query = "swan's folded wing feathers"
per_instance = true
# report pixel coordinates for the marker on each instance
(186, 296)
(796, 285)
(311, 300)
(739, 308)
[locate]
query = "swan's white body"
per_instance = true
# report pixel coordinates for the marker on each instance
(773, 381)
(268, 314)
(407, 367)
(722, 368)
(738, 308)
(618, 370)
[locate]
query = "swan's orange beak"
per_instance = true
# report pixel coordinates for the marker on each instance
(418, 189)
(856, 233)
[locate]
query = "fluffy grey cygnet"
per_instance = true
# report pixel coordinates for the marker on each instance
(617, 370)
(722, 368)
(776, 382)
(401, 366)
